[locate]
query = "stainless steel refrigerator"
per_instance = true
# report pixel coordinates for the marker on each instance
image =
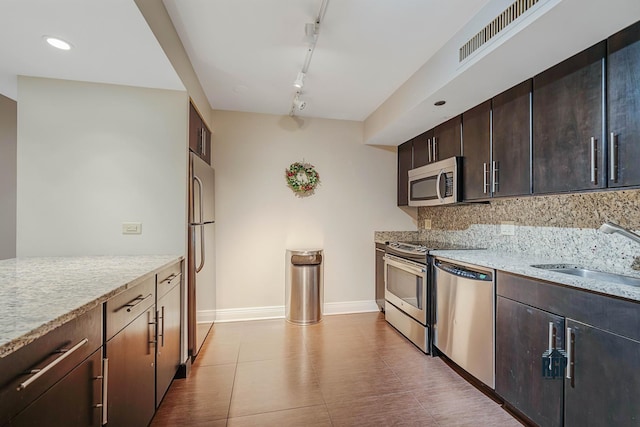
(201, 256)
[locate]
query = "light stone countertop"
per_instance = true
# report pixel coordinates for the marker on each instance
(521, 264)
(39, 294)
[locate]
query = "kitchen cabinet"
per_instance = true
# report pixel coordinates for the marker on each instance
(511, 141)
(601, 336)
(76, 400)
(568, 128)
(168, 291)
(60, 356)
(477, 168)
(623, 98)
(380, 250)
(421, 147)
(405, 164)
(131, 350)
(199, 135)
(521, 338)
(447, 139)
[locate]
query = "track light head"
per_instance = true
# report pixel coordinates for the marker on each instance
(299, 104)
(299, 83)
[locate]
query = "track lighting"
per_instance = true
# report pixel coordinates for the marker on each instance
(299, 103)
(299, 81)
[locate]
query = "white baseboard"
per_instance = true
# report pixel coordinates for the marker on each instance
(278, 312)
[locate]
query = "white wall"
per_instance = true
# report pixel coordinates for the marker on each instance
(258, 217)
(8, 124)
(91, 156)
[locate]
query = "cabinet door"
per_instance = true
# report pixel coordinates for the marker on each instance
(522, 336)
(194, 129)
(447, 139)
(421, 149)
(511, 141)
(168, 343)
(73, 401)
(405, 154)
(604, 385)
(131, 379)
(623, 96)
(476, 164)
(568, 137)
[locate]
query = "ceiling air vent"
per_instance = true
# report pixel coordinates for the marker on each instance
(499, 23)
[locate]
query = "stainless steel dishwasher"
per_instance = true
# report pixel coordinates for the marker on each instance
(464, 328)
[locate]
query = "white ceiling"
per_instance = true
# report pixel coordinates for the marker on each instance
(111, 44)
(248, 53)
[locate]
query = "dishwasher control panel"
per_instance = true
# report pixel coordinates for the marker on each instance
(459, 271)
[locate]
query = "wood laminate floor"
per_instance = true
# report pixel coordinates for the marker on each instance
(348, 370)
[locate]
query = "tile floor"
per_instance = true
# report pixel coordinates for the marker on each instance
(348, 370)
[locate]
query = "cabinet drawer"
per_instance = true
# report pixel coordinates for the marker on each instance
(55, 354)
(168, 278)
(123, 308)
(608, 313)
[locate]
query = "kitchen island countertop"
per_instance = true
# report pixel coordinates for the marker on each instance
(38, 295)
(521, 264)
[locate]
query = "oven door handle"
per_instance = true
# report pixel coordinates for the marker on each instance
(405, 265)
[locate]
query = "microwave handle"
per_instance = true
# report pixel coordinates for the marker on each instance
(438, 185)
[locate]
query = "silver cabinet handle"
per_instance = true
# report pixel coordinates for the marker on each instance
(594, 179)
(170, 278)
(160, 316)
(495, 184)
(569, 354)
(613, 156)
(105, 389)
(485, 173)
(435, 149)
(40, 372)
(133, 303)
(550, 336)
(429, 151)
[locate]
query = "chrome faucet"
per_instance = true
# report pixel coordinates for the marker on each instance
(610, 228)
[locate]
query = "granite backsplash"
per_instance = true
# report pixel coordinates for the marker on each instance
(562, 227)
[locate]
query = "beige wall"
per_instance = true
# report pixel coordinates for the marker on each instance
(91, 156)
(8, 137)
(258, 217)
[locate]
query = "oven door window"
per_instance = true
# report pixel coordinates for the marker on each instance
(407, 286)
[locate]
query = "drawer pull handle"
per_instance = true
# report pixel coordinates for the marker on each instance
(40, 372)
(170, 278)
(134, 302)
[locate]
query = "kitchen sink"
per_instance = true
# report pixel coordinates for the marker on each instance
(576, 270)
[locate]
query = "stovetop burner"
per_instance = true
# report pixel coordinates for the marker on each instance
(422, 248)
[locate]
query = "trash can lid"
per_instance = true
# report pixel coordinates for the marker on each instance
(304, 251)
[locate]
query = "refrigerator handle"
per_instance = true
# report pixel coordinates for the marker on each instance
(199, 182)
(202, 256)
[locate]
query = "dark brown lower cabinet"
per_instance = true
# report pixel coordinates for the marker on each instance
(522, 336)
(168, 354)
(131, 379)
(74, 401)
(604, 389)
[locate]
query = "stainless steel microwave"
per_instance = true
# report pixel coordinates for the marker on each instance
(436, 183)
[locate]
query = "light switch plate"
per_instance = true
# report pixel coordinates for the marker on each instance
(507, 228)
(427, 224)
(131, 228)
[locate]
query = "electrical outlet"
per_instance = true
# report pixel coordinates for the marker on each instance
(426, 224)
(131, 228)
(507, 228)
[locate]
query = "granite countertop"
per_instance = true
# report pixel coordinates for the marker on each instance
(39, 294)
(521, 264)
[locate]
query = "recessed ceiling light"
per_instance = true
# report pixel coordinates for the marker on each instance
(439, 103)
(57, 43)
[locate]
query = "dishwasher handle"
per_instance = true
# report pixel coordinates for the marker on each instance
(464, 272)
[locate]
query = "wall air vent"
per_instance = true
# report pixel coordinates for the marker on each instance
(499, 23)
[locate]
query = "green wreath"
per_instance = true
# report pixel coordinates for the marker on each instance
(302, 178)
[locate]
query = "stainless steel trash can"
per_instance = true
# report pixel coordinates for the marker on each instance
(304, 287)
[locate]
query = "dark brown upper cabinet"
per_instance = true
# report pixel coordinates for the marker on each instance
(568, 131)
(511, 142)
(199, 135)
(623, 95)
(447, 139)
(405, 163)
(421, 149)
(476, 164)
